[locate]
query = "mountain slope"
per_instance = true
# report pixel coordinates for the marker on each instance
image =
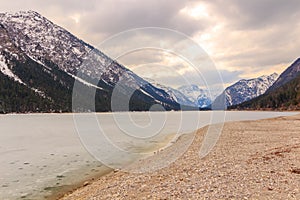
(245, 90)
(289, 74)
(284, 94)
(17, 97)
(285, 97)
(21, 79)
(46, 59)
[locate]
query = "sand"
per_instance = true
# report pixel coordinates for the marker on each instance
(252, 160)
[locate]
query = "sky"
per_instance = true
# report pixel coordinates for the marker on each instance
(244, 39)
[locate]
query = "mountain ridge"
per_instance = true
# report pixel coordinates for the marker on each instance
(287, 75)
(246, 89)
(44, 47)
(284, 94)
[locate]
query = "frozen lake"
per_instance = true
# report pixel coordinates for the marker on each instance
(42, 153)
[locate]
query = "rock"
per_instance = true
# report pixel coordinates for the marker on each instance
(86, 183)
(295, 171)
(270, 188)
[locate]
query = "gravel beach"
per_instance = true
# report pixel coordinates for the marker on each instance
(252, 160)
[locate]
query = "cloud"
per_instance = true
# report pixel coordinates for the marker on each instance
(244, 38)
(255, 14)
(255, 36)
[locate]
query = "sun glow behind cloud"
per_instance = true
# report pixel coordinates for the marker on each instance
(196, 11)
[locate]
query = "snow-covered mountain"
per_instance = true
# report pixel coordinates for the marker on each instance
(200, 97)
(188, 95)
(27, 37)
(175, 94)
(245, 90)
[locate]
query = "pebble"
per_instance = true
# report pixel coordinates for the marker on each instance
(86, 183)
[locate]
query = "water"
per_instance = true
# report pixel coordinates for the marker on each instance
(41, 153)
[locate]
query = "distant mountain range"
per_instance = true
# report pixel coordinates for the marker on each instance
(239, 92)
(177, 95)
(39, 62)
(199, 96)
(284, 94)
(188, 95)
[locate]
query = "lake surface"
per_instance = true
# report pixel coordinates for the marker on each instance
(41, 153)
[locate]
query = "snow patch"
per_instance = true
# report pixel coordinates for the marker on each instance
(6, 71)
(144, 92)
(84, 82)
(39, 62)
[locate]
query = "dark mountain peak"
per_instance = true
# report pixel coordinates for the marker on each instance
(297, 61)
(289, 74)
(295, 67)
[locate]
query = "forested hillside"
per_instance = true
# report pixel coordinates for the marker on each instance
(286, 97)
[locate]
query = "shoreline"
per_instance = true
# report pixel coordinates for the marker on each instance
(122, 112)
(63, 190)
(102, 187)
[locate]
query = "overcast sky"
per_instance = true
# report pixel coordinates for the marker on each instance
(244, 38)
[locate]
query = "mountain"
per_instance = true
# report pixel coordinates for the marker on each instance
(283, 95)
(200, 97)
(175, 94)
(289, 74)
(245, 90)
(41, 61)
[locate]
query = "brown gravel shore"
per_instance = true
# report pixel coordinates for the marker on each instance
(252, 160)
